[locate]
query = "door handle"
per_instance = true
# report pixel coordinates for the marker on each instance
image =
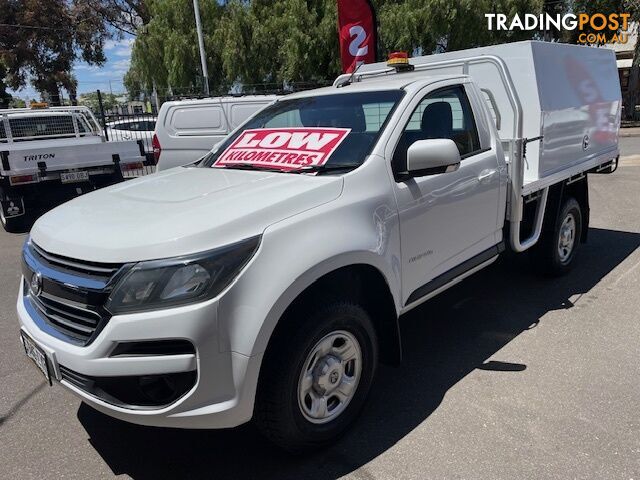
(488, 173)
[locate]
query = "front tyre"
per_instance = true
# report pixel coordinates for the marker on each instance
(316, 375)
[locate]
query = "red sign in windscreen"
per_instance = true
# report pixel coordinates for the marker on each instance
(283, 148)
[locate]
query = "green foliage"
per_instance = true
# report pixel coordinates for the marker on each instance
(276, 41)
(109, 101)
(165, 52)
(5, 97)
(444, 25)
(41, 39)
(284, 41)
(591, 7)
(17, 103)
(121, 16)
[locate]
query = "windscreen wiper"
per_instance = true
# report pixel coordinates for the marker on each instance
(249, 166)
(325, 168)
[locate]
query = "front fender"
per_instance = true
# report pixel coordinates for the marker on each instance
(297, 251)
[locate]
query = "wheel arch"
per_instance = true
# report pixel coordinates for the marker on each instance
(580, 191)
(360, 281)
(558, 194)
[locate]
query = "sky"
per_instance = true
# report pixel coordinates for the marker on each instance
(91, 78)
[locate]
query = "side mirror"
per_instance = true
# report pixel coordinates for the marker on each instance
(429, 157)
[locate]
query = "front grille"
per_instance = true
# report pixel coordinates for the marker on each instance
(70, 303)
(106, 270)
(78, 323)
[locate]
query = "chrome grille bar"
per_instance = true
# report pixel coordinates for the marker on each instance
(82, 315)
(80, 330)
(69, 302)
(88, 267)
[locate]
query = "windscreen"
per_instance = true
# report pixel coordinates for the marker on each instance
(327, 130)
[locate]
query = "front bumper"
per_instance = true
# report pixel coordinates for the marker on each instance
(225, 383)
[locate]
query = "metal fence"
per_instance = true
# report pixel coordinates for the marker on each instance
(130, 121)
(136, 119)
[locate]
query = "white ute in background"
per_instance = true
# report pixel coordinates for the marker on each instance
(140, 127)
(188, 129)
(50, 155)
(267, 282)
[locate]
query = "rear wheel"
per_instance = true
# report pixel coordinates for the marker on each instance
(557, 248)
(316, 376)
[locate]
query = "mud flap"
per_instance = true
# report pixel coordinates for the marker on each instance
(12, 207)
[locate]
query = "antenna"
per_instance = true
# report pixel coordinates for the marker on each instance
(353, 74)
(224, 113)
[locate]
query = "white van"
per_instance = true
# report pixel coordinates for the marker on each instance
(188, 129)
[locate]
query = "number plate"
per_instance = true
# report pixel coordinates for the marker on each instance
(72, 177)
(35, 353)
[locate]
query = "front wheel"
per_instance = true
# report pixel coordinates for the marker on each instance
(316, 375)
(557, 248)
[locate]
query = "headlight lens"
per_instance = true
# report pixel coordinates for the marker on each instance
(181, 280)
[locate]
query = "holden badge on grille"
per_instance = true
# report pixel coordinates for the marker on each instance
(36, 284)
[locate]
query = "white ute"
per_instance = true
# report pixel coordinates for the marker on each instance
(267, 281)
(53, 154)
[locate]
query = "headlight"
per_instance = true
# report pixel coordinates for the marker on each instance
(177, 281)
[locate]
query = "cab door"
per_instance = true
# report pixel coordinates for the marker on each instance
(448, 221)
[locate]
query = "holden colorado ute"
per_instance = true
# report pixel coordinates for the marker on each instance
(266, 282)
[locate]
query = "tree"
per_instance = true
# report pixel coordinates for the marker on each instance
(590, 7)
(443, 25)
(278, 41)
(285, 41)
(109, 101)
(17, 103)
(124, 16)
(5, 97)
(40, 40)
(165, 52)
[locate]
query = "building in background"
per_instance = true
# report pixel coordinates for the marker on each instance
(629, 81)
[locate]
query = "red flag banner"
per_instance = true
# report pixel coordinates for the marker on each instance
(358, 36)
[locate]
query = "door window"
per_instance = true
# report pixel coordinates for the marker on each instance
(124, 127)
(445, 113)
(147, 125)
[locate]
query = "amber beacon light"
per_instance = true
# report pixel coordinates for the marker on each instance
(399, 61)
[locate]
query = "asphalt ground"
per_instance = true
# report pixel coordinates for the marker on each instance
(507, 375)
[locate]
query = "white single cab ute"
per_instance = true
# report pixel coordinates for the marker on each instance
(267, 281)
(50, 155)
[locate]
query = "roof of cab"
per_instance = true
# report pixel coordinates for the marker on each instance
(390, 81)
